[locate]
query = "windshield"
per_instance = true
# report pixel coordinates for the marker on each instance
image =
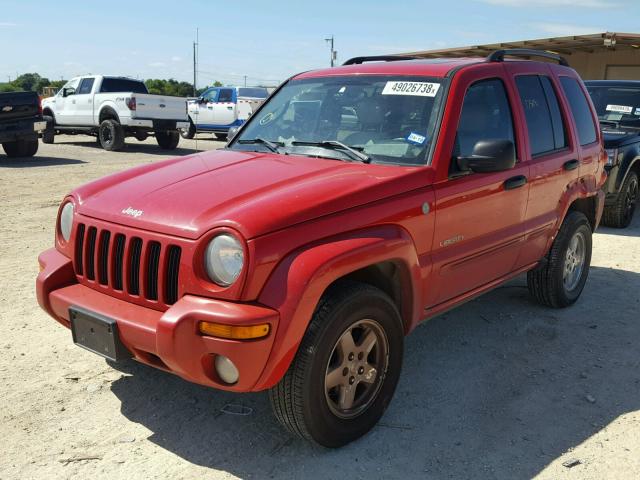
(390, 119)
(620, 104)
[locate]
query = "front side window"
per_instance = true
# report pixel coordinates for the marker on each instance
(85, 86)
(210, 95)
(580, 110)
(542, 114)
(619, 103)
(390, 119)
(485, 115)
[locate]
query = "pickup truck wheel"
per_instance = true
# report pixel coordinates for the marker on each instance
(559, 281)
(111, 135)
(620, 214)
(21, 148)
(188, 133)
(49, 133)
(168, 140)
(346, 369)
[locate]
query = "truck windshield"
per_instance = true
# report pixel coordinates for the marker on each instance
(620, 104)
(390, 119)
(122, 85)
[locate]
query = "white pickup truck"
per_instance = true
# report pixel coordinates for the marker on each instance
(112, 108)
(220, 108)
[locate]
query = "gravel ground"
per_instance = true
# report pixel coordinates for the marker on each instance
(498, 388)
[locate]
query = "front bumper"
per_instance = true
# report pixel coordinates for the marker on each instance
(167, 340)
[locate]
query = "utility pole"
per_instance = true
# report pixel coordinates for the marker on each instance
(245, 80)
(195, 63)
(334, 54)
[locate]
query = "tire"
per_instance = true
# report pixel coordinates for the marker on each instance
(620, 214)
(21, 148)
(560, 279)
(221, 136)
(300, 401)
(49, 133)
(111, 135)
(190, 132)
(168, 140)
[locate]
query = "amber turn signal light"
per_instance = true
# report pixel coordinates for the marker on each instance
(234, 332)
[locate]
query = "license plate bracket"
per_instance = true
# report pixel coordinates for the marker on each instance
(97, 333)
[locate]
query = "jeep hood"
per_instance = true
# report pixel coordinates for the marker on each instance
(255, 193)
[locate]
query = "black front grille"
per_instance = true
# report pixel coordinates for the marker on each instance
(128, 264)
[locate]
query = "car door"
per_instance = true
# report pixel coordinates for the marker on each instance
(479, 216)
(224, 112)
(204, 109)
(550, 150)
(65, 106)
(82, 111)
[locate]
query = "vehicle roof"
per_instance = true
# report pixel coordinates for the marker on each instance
(436, 67)
(628, 83)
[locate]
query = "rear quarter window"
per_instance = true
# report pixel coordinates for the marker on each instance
(580, 110)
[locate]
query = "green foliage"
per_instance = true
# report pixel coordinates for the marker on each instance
(169, 87)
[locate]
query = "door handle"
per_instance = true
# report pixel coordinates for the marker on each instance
(73, 101)
(515, 182)
(210, 108)
(571, 164)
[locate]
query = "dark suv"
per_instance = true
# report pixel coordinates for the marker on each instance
(618, 105)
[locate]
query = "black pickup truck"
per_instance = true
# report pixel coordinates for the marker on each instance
(618, 105)
(20, 123)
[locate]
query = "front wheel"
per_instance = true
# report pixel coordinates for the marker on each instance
(168, 140)
(620, 214)
(49, 134)
(346, 369)
(560, 279)
(21, 148)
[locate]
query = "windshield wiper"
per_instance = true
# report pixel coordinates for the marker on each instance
(274, 147)
(335, 145)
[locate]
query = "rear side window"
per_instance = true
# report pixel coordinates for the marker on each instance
(226, 95)
(122, 85)
(542, 113)
(85, 86)
(253, 92)
(580, 110)
(485, 115)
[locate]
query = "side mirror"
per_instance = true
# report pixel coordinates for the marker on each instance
(68, 91)
(489, 156)
(201, 100)
(232, 133)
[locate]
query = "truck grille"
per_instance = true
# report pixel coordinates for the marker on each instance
(127, 264)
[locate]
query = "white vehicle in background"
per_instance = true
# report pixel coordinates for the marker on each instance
(220, 108)
(113, 108)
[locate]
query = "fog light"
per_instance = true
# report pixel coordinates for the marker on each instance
(226, 370)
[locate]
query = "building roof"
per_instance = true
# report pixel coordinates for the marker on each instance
(562, 45)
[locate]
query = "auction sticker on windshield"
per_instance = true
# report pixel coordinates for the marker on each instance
(619, 108)
(421, 89)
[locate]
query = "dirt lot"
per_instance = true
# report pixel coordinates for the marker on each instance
(499, 388)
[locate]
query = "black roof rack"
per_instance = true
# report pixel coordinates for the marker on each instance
(378, 58)
(498, 55)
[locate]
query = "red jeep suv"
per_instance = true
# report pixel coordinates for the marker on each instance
(357, 202)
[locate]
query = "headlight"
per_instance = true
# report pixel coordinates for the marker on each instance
(66, 221)
(224, 259)
(612, 153)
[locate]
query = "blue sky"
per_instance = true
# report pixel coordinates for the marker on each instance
(268, 41)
